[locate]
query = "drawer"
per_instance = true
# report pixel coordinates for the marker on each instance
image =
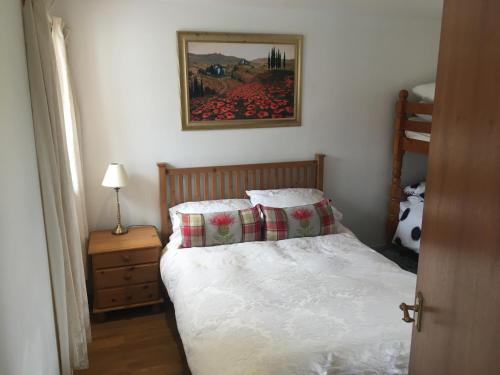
(123, 258)
(128, 295)
(122, 276)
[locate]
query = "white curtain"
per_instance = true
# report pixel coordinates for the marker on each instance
(72, 130)
(62, 208)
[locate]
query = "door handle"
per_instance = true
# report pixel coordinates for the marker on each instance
(406, 314)
(417, 309)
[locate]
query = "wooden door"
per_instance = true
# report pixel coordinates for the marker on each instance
(459, 266)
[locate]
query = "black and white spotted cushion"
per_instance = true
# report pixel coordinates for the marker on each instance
(409, 228)
(417, 190)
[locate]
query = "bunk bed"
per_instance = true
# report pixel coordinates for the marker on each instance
(412, 133)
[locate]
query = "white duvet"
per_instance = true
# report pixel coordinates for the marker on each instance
(322, 305)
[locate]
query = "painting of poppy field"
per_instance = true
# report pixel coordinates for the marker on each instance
(240, 83)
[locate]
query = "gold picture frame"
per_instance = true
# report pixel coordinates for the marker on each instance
(221, 90)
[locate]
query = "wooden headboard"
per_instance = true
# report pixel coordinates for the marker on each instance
(178, 185)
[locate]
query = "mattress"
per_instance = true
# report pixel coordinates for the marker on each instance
(426, 137)
(319, 305)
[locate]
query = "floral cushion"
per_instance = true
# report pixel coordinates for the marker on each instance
(220, 228)
(300, 221)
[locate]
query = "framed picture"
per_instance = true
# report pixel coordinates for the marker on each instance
(235, 81)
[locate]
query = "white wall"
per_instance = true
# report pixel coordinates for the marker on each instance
(357, 56)
(27, 333)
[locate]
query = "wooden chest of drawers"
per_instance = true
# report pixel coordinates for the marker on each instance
(125, 269)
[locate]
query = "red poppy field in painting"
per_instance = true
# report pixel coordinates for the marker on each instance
(255, 100)
(226, 87)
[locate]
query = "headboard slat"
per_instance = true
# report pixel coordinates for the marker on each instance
(214, 186)
(198, 186)
(294, 177)
(253, 179)
(180, 187)
(245, 180)
(189, 187)
(222, 179)
(229, 184)
(275, 181)
(231, 181)
(238, 184)
(205, 187)
(171, 182)
(286, 179)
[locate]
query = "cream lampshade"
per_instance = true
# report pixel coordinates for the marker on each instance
(116, 178)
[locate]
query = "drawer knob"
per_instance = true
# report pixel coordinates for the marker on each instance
(127, 276)
(126, 258)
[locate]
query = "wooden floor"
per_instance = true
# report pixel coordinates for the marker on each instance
(135, 342)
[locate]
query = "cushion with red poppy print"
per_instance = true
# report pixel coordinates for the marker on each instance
(300, 221)
(220, 228)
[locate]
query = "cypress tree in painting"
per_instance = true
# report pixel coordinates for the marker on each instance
(276, 59)
(196, 88)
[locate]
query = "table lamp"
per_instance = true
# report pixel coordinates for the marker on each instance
(116, 178)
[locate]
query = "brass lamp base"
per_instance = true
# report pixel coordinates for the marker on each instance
(119, 230)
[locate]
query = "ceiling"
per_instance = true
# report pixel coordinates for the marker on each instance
(417, 8)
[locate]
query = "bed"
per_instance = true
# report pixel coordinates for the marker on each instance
(313, 305)
(412, 133)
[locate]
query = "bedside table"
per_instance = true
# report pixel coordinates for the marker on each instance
(125, 269)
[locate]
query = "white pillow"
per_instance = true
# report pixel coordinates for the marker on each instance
(280, 198)
(425, 92)
(291, 197)
(205, 207)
